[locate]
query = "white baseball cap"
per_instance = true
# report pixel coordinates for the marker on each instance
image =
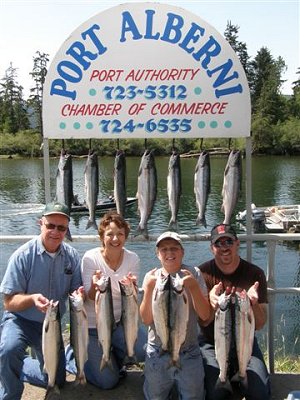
(169, 235)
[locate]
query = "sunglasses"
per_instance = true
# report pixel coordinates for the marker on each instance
(223, 243)
(60, 228)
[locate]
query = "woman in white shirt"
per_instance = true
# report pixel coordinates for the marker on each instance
(111, 260)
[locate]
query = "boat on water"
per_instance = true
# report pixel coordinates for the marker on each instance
(102, 205)
(275, 219)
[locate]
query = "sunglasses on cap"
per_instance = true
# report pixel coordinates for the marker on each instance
(60, 228)
(223, 243)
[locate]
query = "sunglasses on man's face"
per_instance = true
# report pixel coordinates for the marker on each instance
(224, 243)
(60, 228)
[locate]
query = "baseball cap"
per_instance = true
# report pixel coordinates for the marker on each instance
(222, 230)
(57, 208)
(169, 235)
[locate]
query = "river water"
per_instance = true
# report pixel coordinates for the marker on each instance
(276, 180)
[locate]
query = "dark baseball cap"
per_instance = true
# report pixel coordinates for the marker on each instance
(56, 208)
(222, 230)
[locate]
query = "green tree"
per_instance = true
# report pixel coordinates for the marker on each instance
(13, 105)
(38, 74)
(240, 48)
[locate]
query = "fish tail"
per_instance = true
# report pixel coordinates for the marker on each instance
(130, 360)
(91, 223)
(68, 235)
(142, 231)
(224, 385)
(173, 224)
(201, 221)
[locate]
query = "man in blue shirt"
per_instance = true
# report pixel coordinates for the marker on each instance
(43, 269)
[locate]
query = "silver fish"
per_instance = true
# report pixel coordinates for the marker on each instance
(146, 190)
(223, 335)
(174, 188)
(120, 182)
(91, 178)
(232, 184)
(178, 318)
(105, 321)
(79, 336)
(160, 309)
(244, 331)
(51, 342)
(64, 180)
(130, 317)
(202, 186)
(64, 183)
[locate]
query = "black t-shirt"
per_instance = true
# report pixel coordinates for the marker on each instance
(243, 277)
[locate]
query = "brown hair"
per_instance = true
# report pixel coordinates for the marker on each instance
(109, 217)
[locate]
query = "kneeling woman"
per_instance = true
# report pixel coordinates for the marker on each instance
(112, 260)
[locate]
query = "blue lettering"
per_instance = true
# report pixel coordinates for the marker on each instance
(174, 24)
(128, 25)
(59, 87)
(209, 50)
(90, 32)
(72, 67)
(225, 92)
(149, 25)
(192, 36)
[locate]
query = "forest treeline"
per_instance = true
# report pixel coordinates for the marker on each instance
(275, 125)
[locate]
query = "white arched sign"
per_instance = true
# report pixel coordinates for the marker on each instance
(146, 70)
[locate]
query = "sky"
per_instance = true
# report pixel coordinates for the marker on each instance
(27, 26)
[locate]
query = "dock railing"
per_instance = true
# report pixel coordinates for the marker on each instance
(271, 241)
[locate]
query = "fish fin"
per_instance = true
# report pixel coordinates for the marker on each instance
(91, 223)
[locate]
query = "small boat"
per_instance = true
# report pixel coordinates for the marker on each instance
(275, 219)
(283, 218)
(103, 205)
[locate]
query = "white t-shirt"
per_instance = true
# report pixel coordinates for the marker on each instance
(92, 261)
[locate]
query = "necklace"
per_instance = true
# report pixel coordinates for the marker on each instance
(113, 263)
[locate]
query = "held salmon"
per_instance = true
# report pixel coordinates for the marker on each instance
(223, 335)
(146, 190)
(105, 320)
(130, 317)
(120, 182)
(178, 318)
(202, 186)
(174, 188)
(91, 178)
(51, 342)
(232, 184)
(244, 331)
(160, 309)
(79, 335)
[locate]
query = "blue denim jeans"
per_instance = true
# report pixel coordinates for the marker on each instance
(258, 380)
(16, 366)
(108, 377)
(160, 377)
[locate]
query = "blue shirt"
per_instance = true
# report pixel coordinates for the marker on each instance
(32, 270)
